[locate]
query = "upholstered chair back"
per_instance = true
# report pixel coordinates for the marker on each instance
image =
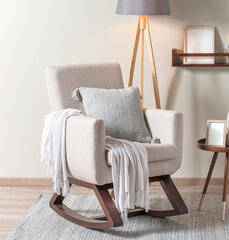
(62, 80)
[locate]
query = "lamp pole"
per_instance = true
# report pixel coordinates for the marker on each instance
(143, 8)
(143, 25)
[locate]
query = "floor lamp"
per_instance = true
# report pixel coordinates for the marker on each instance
(144, 8)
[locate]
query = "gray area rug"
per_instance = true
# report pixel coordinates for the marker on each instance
(41, 222)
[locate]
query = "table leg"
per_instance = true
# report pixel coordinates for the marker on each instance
(208, 180)
(225, 186)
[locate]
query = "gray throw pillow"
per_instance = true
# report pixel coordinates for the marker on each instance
(119, 108)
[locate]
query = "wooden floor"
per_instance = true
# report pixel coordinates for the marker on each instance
(16, 200)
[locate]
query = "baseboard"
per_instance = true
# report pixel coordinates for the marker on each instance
(48, 181)
(197, 181)
(25, 181)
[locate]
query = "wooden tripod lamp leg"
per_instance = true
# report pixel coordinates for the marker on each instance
(142, 68)
(133, 60)
(152, 65)
(142, 28)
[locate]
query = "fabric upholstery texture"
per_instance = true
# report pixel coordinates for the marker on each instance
(62, 80)
(120, 109)
(85, 136)
(168, 126)
(155, 152)
(86, 156)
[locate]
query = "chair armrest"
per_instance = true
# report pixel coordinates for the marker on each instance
(168, 126)
(85, 149)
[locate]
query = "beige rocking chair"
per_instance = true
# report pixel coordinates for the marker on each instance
(89, 166)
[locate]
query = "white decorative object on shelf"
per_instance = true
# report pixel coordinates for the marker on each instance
(199, 40)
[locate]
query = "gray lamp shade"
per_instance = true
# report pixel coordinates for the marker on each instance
(143, 7)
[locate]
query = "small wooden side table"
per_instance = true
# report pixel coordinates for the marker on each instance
(201, 144)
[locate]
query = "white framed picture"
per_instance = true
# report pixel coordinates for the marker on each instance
(199, 40)
(216, 133)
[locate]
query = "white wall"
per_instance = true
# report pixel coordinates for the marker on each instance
(34, 34)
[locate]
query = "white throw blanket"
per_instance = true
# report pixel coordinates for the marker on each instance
(129, 163)
(53, 148)
(130, 174)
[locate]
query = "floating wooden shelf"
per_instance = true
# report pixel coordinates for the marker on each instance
(178, 55)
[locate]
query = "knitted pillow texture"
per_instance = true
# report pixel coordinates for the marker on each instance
(119, 108)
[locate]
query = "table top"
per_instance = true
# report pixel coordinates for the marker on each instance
(201, 144)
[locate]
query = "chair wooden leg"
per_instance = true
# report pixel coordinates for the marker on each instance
(112, 218)
(174, 197)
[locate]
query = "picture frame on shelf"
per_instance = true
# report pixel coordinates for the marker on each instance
(199, 40)
(216, 133)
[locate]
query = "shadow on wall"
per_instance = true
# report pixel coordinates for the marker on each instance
(206, 88)
(205, 94)
(202, 12)
(177, 78)
(173, 89)
(219, 47)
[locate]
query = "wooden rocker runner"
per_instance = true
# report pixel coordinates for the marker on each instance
(112, 217)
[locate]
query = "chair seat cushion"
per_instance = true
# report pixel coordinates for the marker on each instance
(156, 152)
